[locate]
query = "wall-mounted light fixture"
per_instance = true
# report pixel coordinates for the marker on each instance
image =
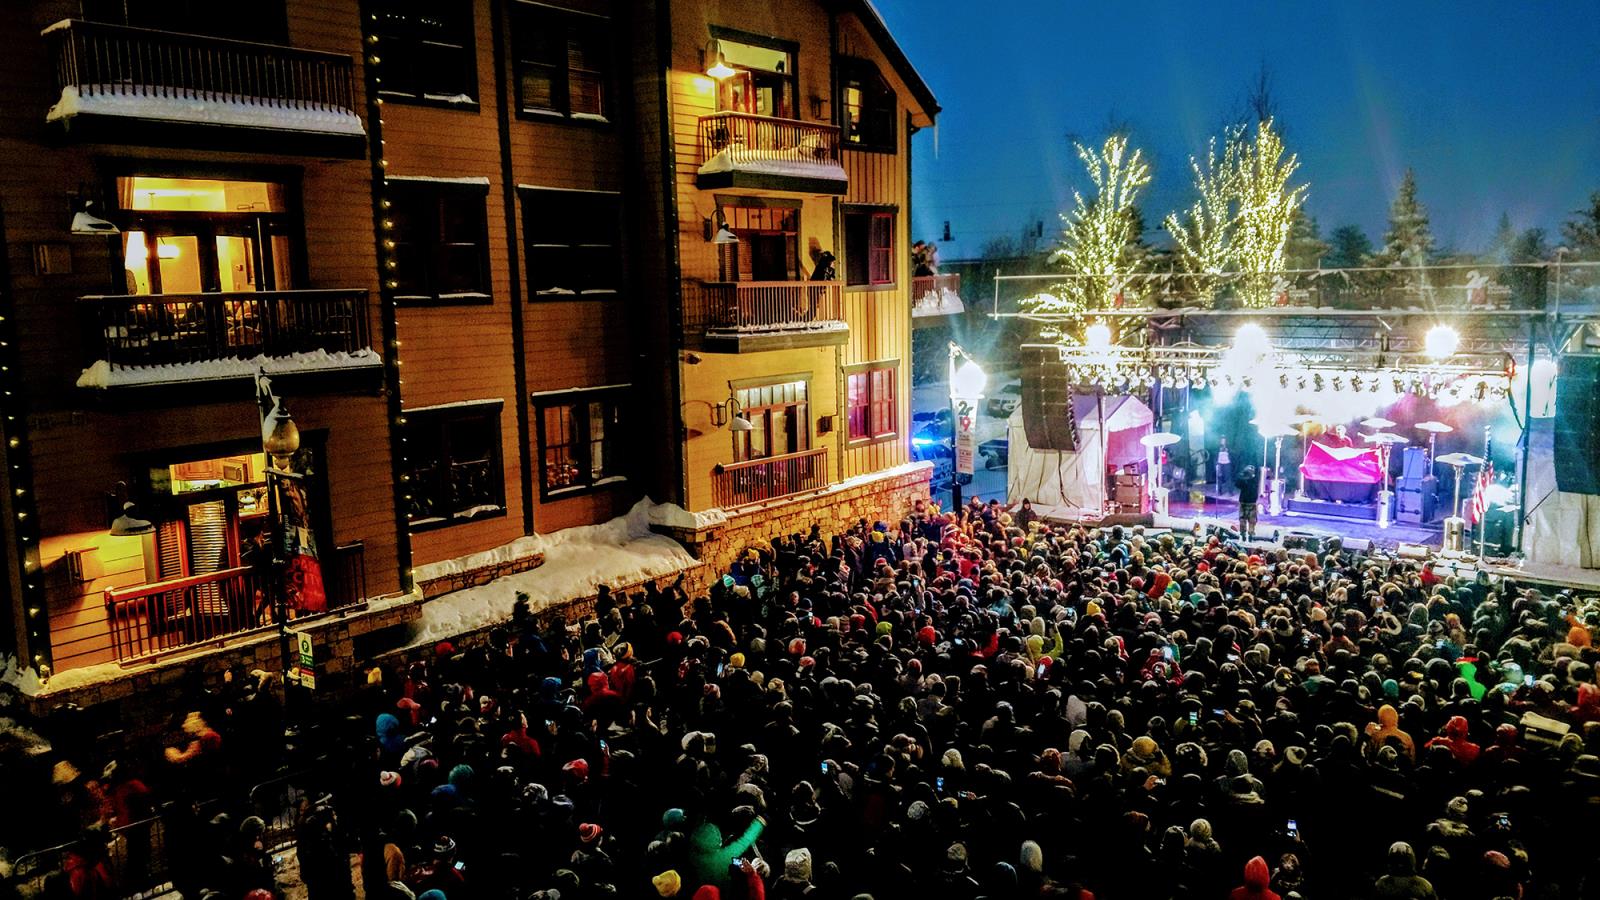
(86, 221)
(729, 413)
(717, 230)
(716, 61)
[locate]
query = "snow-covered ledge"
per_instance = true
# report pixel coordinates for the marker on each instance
(103, 375)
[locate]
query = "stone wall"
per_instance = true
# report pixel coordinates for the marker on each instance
(455, 581)
(888, 497)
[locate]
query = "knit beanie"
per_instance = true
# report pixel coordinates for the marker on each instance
(667, 883)
(1032, 857)
(797, 865)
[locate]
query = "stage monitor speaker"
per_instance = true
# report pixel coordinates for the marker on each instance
(1577, 425)
(1047, 417)
(1414, 505)
(1414, 466)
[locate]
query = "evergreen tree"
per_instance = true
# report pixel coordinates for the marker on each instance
(1306, 248)
(1500, 245)
(1409, 240)
(1582, 231)
(1348, 248)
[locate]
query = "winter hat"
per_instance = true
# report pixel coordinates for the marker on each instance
(673, 819)
(589, 832)
(578, 769)
(797, 865)
(1457, 808)
(389, 779)
(951, 759)
(1032, 857)
(1200, 830)
(461, 777)
(434, 894)
(917, 811)
(956, 855)
(1295, 756)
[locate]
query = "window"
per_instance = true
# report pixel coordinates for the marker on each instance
(454, 473)
(574, 242)
(769, 242)
(763, 83)
(873, 412)
(188, 235)
(868, 105)
(869, 247)
(562, 63)
(580, 435)
(441, 239)
(427, 50)
(780, 420)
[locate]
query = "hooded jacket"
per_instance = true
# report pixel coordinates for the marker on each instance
(709, 857)
(1455, 738)
(1388, 726)
(1256, 878)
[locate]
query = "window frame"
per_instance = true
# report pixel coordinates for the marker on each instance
(855, 70)
(567, 21)
(435, 192)
(767, 42)
(581, 454)
(440, 418)
(889, 407)
(760, 417)
(576, 250)
(468, 51)
(873, 215)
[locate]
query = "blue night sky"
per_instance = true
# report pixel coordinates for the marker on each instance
(1496, 105)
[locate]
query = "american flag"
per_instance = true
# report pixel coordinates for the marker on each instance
(1480, 500)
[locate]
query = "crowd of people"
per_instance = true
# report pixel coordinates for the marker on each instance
(975, 705)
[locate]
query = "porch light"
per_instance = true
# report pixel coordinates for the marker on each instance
(128, 524)
(730, 414)
(717, 230)
(716, 63)
(283, 440)
(84, 221)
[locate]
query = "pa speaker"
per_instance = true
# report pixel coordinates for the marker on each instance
(1047, 418)
(1577, 426)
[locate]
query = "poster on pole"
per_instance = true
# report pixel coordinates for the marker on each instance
(966, 440)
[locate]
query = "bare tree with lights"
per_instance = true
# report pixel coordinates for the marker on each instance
(1204, 236)
(1267, 206)
(1099, 246)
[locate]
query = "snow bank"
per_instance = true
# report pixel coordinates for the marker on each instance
(785, 327)
(576, 562)
(103, 375)
(671, 515)
(772, 162)
(15, 737)
(203, 107)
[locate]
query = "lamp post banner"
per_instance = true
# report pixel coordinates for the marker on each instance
(966, 438)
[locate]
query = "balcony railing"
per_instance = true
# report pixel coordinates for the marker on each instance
(145, 73)
(935, 294)
(168, 329)
(761, 145)
(182, 612)
(755, 306)
(760, 480)
(147, 619)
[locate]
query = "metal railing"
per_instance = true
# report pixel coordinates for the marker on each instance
(743, 139)
(165, 329)
(100, 58)
(764, 305)
(134, 859)
(182, 612)
(927, 291)
(759, 480)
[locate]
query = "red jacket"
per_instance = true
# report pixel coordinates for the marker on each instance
(1256, 879)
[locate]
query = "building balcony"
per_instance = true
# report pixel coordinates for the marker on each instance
(771, 478)
(148, 620)
(156, 340)
(750, 316)
(739, 150)
(140, 86)
(936, 295)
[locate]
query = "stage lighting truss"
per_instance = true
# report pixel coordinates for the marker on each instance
(1464, 377)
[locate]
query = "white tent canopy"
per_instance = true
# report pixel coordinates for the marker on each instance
(1076, 478)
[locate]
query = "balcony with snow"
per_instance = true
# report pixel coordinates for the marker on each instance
(127, 85)
(318, 338)
(936, 295)
(753, 316)
(741, 150)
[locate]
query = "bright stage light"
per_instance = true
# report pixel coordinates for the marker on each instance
(1197, 426)
(1252, 339)
(1441, 342)
(968, 381)
(1097, 336)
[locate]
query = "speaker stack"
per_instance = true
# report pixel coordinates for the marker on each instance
(1048, 421)
(1577, 425)
(1416, 488)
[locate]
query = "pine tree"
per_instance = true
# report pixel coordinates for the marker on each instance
(1409, 240)
(1582, 231)
(1306, 248)
(1500, 245)
(1348, 248)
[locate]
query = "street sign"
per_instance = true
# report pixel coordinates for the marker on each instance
(966, 441)
(305, 669)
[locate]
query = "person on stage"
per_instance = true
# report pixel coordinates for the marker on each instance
(1339, 437)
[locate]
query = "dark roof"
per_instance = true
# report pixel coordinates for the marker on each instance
(868, 14)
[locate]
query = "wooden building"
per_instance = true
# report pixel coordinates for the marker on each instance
(512, 266)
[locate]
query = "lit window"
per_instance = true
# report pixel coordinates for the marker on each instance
(869, 247)
(455, 473)
(871, 406)
(580, 434)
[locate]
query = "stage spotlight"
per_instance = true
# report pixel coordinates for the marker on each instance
(1097, 336)
(1338, 383)
(1283, 381)
(1316, 383)
(1356, 383)
(1441, 342)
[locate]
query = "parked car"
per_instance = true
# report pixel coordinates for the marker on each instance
(995, 453)
(1004, 401)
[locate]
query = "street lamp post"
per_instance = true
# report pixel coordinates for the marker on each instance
(280, 440)
(967, 382)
